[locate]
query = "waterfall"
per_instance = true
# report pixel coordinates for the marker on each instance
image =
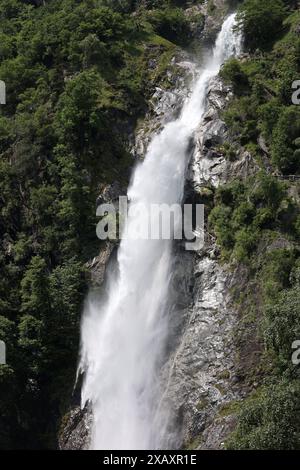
(123, 338)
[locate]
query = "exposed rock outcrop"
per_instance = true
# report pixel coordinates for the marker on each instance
(164, 104)
(75, 430)
(209, 166)
(201, 384)
(212, 12)
(202, 366)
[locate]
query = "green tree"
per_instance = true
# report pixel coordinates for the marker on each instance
(284, 149)
(261, 21)
(269, 420)
(34, 288)
(283, 322)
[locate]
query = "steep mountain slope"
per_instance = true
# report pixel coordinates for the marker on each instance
(87, 84)
(235, 335)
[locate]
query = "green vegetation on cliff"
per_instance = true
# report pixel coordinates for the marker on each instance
(257, 222)
(77, 78)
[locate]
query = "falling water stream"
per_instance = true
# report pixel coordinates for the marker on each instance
(123, 339)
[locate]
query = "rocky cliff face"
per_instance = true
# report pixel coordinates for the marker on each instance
(200, 376)
(212, 12)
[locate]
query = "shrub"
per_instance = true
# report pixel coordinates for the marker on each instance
(170, 23)
(269, 420)
(220, 220)
(245, 242)
(232, 72)
(261, 21)
(283, 322)
(284, 145)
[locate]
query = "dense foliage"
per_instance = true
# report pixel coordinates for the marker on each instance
(77, 77)
(257, 220)
(261, 21)
(270, 419)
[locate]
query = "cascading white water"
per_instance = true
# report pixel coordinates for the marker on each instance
(123, 340)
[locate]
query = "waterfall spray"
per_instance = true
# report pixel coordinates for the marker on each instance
(123, 340)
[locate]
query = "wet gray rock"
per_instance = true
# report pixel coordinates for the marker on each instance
(110, 193)
(209, 166)
(165, 103)
(201, 368)
(76, 430)
(97, 266)
(215, 134)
